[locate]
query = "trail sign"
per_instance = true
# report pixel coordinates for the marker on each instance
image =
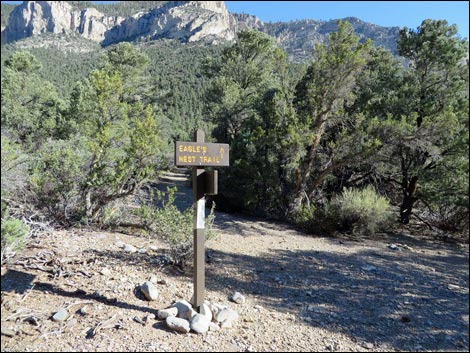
(201, 154)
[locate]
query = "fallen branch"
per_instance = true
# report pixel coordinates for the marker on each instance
(103, 325)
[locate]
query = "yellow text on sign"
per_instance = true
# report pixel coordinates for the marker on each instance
(193, 149)
(199, 159)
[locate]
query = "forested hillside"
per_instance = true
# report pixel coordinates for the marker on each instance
(119, 8)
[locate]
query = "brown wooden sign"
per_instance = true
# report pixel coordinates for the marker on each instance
(199, 154)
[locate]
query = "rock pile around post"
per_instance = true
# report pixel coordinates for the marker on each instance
(181, 317)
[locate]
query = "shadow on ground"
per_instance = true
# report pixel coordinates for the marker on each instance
(408, 301)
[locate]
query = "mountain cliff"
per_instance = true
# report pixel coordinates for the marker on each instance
(32, 18)
(185, 21)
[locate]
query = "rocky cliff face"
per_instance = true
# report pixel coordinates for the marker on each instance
(187, 21)
(36, 17)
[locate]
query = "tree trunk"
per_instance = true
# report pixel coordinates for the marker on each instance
(409, 199)
(304, 174)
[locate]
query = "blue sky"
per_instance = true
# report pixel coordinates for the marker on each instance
(384, 13)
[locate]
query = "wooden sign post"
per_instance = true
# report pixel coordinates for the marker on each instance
(199, 155)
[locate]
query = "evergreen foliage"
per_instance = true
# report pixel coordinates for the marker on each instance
(356, 116)
(83, 131)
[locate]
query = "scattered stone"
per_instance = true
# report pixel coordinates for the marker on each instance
(190, 314)
(393, 247)
(238, 298)
(258, 307)
(130, 248)
(105, 271)
(149, 290)
(153, 247)
(226, 315)
(369, 268)
(162, 281)
(150, 317)
(215, 308)
(83, 311)
(206, 311)
(214, 327)
(139, 320)
(153, 279)
(164, 313)
(368, 345)
(120, 244)
(200, 323)
(8, 332)
(177, 324)
(183, 308)
(61, 315)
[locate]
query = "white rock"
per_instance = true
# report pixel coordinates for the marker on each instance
(164, 313)
(214, 327)
(120, 244)
(149, 290)
(61, 315)
(190, 314)
(177, 324)
(199, 323)
(226, 315)
(183, 308)
(129, 248)
(153, 279)
(105, 271)
(206, 311)
(238, 298)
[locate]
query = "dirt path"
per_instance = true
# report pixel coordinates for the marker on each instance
(303, 293)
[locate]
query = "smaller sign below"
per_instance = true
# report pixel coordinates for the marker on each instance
(201, 154)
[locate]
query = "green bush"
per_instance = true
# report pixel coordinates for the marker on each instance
(14, 233)
(359, 210)
(173, 226)
(57, 176)
(305, 217)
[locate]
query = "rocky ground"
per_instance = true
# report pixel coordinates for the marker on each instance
(303, 293)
